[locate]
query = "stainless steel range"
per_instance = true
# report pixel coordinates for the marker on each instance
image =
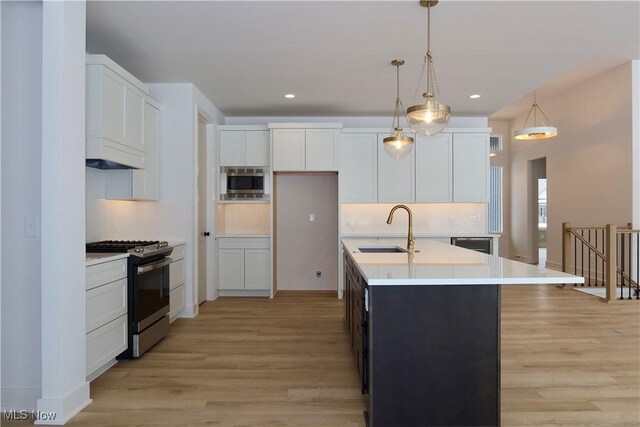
(148, 290)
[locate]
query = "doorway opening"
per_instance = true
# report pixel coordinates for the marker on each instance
(306, 232)
(538, 218)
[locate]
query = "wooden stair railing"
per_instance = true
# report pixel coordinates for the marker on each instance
(613, 251)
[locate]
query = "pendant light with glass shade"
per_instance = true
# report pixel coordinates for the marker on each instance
(542, 130)
(430, 117)
(397, 145)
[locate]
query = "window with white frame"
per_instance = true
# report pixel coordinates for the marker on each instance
(495, 199)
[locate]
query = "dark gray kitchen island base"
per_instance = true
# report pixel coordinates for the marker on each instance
(433, 355)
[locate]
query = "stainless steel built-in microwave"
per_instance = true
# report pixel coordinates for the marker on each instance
(242, 183)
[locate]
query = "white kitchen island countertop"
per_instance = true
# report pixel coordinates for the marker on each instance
(438, 263)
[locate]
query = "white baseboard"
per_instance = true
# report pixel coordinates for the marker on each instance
(20, 398)
(64, 408)
(240, 293)
(189, 311)
(522, 258)
(104, 368)
(553, 265)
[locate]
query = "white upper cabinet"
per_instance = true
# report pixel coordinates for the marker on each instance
(396, 177)
(244, 148)
(358, 168)
(114, 114)
(133, 113)
(289, 150)
(232, 146)
(257, 148)
(471, 167)
(320, 152)
(139, 184)
(434, 165)
(300, 149)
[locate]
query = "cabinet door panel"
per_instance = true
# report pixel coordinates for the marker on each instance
(320, 150)
(434, 169)
(231, 268)
(113, 108)
(358, 168)
(396, 177)
(232, 148)
(256, 269)
(257, 148)
(133, 113)
(471, 167)
(145, 181)
(288, 149)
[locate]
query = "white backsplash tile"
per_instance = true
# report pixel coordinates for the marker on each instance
(428, 218)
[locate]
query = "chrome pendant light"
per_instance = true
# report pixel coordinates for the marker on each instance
(542, 130)
(430, 117)
(397, 145)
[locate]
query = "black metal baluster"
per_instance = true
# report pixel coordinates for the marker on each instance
(575, 255)
(629, 265)
(621, 264)
(637, 265)
(582, 254)
(597, 257)
(589, 256)
(603, 251)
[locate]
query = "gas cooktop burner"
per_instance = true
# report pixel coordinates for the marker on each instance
(134, 247)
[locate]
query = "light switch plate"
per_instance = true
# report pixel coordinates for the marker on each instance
(312, 217)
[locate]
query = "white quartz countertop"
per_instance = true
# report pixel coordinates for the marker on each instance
(94, 258)
(438, 263)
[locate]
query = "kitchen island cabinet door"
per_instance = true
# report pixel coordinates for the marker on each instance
(232, 148)
(256, 150)
(256, 269)
(396, 177)
(288, 149)
(358, 168)
(434, 175)
(231, 268)
(471, 167)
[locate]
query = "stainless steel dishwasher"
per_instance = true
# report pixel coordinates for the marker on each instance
(479, 244)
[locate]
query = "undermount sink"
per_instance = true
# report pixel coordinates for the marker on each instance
(382, 250)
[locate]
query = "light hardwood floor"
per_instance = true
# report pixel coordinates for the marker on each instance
(567, 360)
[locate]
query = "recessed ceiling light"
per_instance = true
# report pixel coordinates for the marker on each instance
(474, 96)
(290, 96)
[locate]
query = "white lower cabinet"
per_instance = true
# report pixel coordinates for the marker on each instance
(106, 315)
(176, 282)
(244, 265)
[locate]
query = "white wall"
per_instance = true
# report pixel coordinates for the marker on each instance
(589, 164)
(21, 145)
(445, 219)
(65, 390)
(635, 90)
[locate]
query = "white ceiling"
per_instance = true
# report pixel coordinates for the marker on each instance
(334, 55)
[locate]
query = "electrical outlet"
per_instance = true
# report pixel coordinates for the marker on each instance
(318, 274)
(474, 218)
(452, 218)
(312, 217)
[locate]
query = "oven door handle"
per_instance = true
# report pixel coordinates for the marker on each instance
(154, 266)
